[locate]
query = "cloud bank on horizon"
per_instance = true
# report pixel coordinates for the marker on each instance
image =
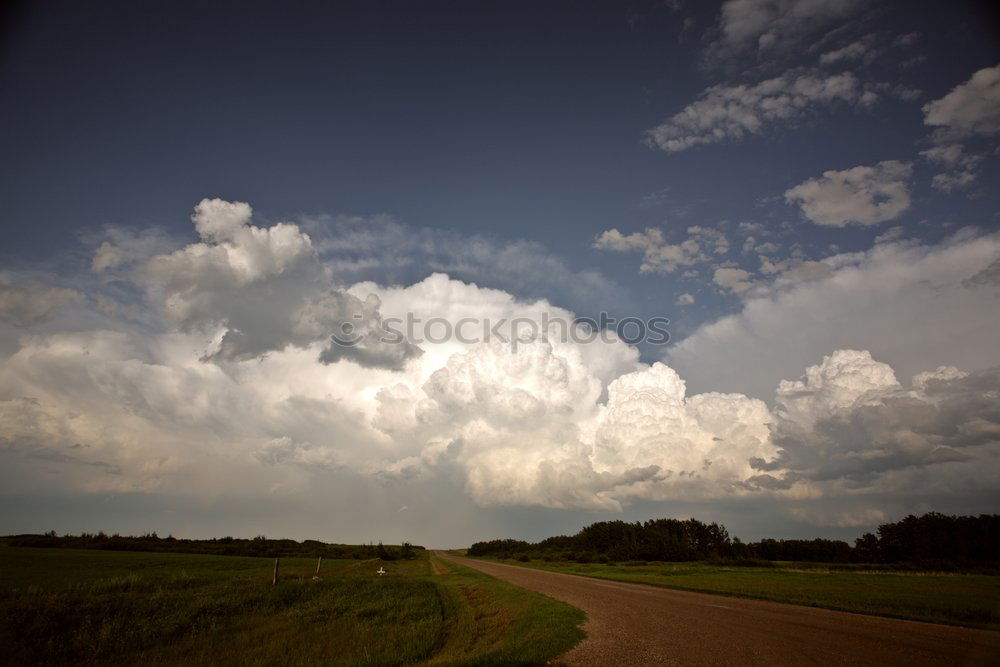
(836, 365)
(234, 374)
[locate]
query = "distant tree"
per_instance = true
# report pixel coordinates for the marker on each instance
(223, 546)
(866, 549)
(383, 553)
(933, 540)
(936, 539)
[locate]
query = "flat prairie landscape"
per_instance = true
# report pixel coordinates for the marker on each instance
(94, 606)
(86, 606)
(590, 333)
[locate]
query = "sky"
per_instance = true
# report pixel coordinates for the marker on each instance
(215, 214)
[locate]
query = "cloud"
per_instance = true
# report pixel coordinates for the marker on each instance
(960, 165)
(523, 431)
(849, 421)
(217, 221)
(860, 50)
(439, 296)
(118, 249)
(734, 280)
(659, 256)
(988, 276)
(260, 289)
(283, 450)
(509, 421)
(914, 306)
(903, 92)
(685, 299)
(793, 270)
(141, 411)
(710, 238)
(165, 422)
(552, 424)
(860, 195)
(27, 306)
(107, 257)
(866, 50)
(526, 428)
(699, 445)
(891, 234)
(838, 382)
(971, 108)
(769, 26)
(380, 249)
(950, 155)
(773, 275)
(41, 434)
(949, 182)
(734, 112)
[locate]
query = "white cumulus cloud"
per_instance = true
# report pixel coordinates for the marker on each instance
(913, 306)
(970, 108)
(734, 280)
(550, 421)
(261, 289)
(849, 423)
(861, 195)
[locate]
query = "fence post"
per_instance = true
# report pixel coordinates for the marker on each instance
(275, 579)
(318, 564)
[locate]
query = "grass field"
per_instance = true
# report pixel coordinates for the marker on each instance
(958, 599)
(74, 606)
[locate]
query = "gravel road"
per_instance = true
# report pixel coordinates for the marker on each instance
(632, 624)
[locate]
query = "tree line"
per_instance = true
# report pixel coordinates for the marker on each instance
(219, 546)
(931, 540)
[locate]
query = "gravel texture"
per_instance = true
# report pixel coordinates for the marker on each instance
(632, 624)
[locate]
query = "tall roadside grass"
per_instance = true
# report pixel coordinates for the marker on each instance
(68, 607)
(489, 621)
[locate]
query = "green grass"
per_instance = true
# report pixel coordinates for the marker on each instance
(492, 622)
(958, 599)
(73, 606)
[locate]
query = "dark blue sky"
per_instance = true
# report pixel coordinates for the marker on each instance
(518, 121)
(482, 119)
(794, 184)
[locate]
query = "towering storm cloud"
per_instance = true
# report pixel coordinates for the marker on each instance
(263, 289)
(238, 374)
(441, 273)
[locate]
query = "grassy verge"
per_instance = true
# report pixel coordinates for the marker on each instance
(971, 600)
(69, 606)
(492, 622)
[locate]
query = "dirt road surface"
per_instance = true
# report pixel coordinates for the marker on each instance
(632, 624)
